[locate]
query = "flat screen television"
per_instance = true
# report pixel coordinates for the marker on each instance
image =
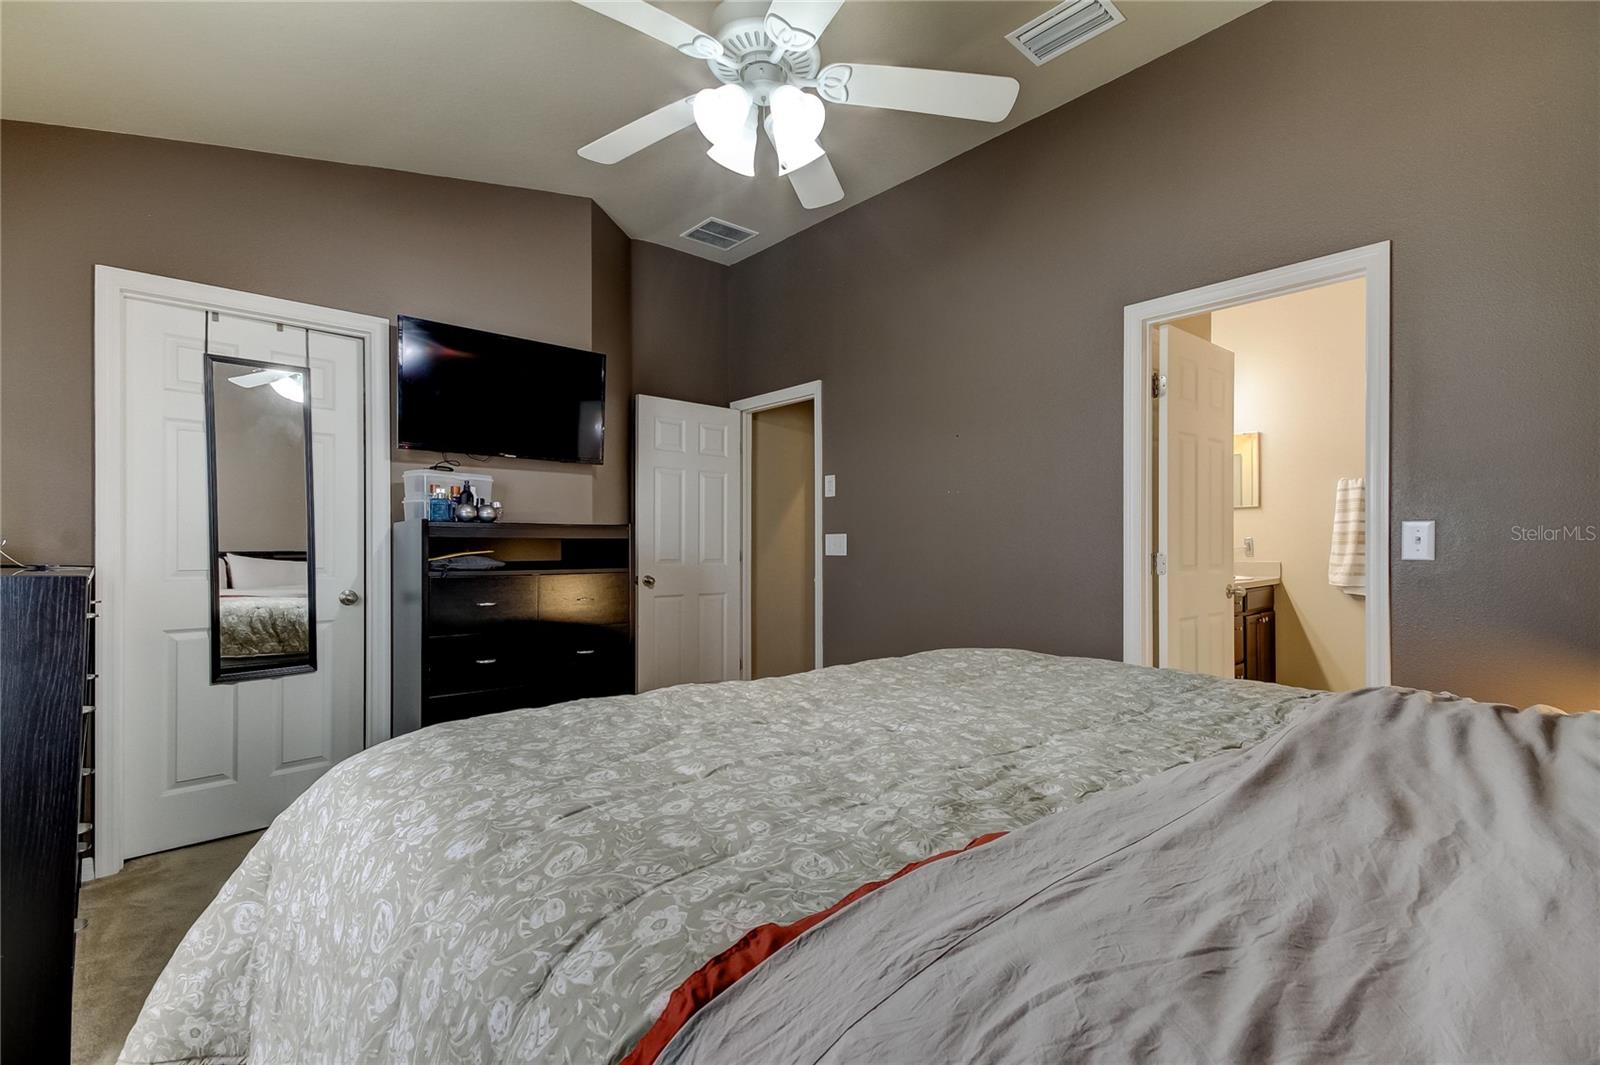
(480, 394)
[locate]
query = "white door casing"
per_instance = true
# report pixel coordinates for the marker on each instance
(1139, 359)
(179, 759)
(810, 391)
(1195, 505)
(207, 760)
(688, 514)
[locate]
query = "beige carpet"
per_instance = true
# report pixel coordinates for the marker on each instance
(136, 919)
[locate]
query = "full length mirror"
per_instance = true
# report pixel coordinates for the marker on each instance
(263, 591)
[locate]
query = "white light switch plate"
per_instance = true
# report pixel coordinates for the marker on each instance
(827, 485)
(1416, 540)
(834, 544)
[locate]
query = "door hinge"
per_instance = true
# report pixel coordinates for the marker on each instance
(1158, 385)
(1158, 564)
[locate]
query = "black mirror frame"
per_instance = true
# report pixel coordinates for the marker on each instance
(218, 676)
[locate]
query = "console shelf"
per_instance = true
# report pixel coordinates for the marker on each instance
(555, 623)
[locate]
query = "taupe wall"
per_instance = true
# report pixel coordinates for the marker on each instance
(380, 242)
(679, 326)
(968, 324)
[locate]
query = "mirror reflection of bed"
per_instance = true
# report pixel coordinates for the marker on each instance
(261, 521)
(262, 609)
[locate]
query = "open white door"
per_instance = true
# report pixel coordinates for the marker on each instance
(686, 483)
(1194, 566)
(203, 760)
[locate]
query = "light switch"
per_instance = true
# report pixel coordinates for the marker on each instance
(1416, 540)
(834, 544)
(827, 486)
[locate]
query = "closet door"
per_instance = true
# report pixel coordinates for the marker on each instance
(203, 760)
(686, 540)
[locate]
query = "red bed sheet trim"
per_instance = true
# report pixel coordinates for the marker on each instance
(757, 945)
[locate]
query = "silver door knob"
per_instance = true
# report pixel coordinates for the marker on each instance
(648, 581)
(1230, 591)
(348, 597)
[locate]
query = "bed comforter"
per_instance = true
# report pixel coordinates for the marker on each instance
(531, 886)
(256, 623)
(1394, 878)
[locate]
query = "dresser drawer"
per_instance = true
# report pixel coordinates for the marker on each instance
(471, 663)
(469, 604)
(584, 598)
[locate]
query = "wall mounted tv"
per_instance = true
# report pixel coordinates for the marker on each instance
(475, 393)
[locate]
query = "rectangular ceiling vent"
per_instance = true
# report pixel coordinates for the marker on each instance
(715, 233)
(1063, 28)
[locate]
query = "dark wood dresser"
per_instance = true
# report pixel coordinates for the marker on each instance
(46, 619)
(554, 623)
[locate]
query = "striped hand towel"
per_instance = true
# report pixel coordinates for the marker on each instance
(1347, 562)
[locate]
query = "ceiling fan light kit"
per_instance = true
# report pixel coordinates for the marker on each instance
(767, 62)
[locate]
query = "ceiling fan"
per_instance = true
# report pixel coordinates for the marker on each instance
(767, 62)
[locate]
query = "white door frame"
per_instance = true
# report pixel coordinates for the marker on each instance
(111, 286)
(1138, 539)
(811, 390)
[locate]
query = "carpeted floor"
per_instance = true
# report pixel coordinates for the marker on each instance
(136, 919)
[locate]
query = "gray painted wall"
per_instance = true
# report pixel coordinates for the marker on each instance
(967, 327)
(380, 242)
(967, 324)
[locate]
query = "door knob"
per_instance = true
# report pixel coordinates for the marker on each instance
(1230, 591)
(348, 597)
(648, 581)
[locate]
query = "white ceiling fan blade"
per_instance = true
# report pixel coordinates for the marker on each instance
(641, 133)
(795, 25)
(980, 97)
(654, 22)
(816, 184)
(259, 378)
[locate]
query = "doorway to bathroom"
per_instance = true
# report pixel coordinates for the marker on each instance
(1255, 476)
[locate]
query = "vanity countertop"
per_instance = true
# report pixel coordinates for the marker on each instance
(1250, 573)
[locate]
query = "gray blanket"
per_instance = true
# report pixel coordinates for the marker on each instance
(530, 886)
(1394, 878)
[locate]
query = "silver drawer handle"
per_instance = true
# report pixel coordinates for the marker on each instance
(486, 661)
(489, 603)
(590, 651)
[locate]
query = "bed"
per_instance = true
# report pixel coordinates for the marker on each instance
(1394, 877)
(532, 886)
(264, 621)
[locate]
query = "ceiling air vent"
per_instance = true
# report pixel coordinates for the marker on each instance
(716, 233)
(1063, 28)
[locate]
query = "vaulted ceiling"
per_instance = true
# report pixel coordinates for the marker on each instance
(508, 92)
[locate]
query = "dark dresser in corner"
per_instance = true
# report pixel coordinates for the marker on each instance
(46, 619)
(554, 623)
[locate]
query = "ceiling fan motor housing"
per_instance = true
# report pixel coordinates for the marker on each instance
(748, 60)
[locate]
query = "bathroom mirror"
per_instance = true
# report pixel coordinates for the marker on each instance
(263, 564)
(1246, 470)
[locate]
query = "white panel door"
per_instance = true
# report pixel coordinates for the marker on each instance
(1195, 487)
(686, 536)
(201, 761)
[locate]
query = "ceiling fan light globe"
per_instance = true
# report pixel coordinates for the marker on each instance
(738, 152)
(796, 115)
(290, 387)
(722, 113)
(795, 119)
(735, 157)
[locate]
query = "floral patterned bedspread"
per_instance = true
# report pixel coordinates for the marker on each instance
(263, 625)
(531, 886)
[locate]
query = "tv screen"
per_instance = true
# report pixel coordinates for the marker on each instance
(478, 394)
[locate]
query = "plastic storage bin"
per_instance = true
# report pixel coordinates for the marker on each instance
(419, 486)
